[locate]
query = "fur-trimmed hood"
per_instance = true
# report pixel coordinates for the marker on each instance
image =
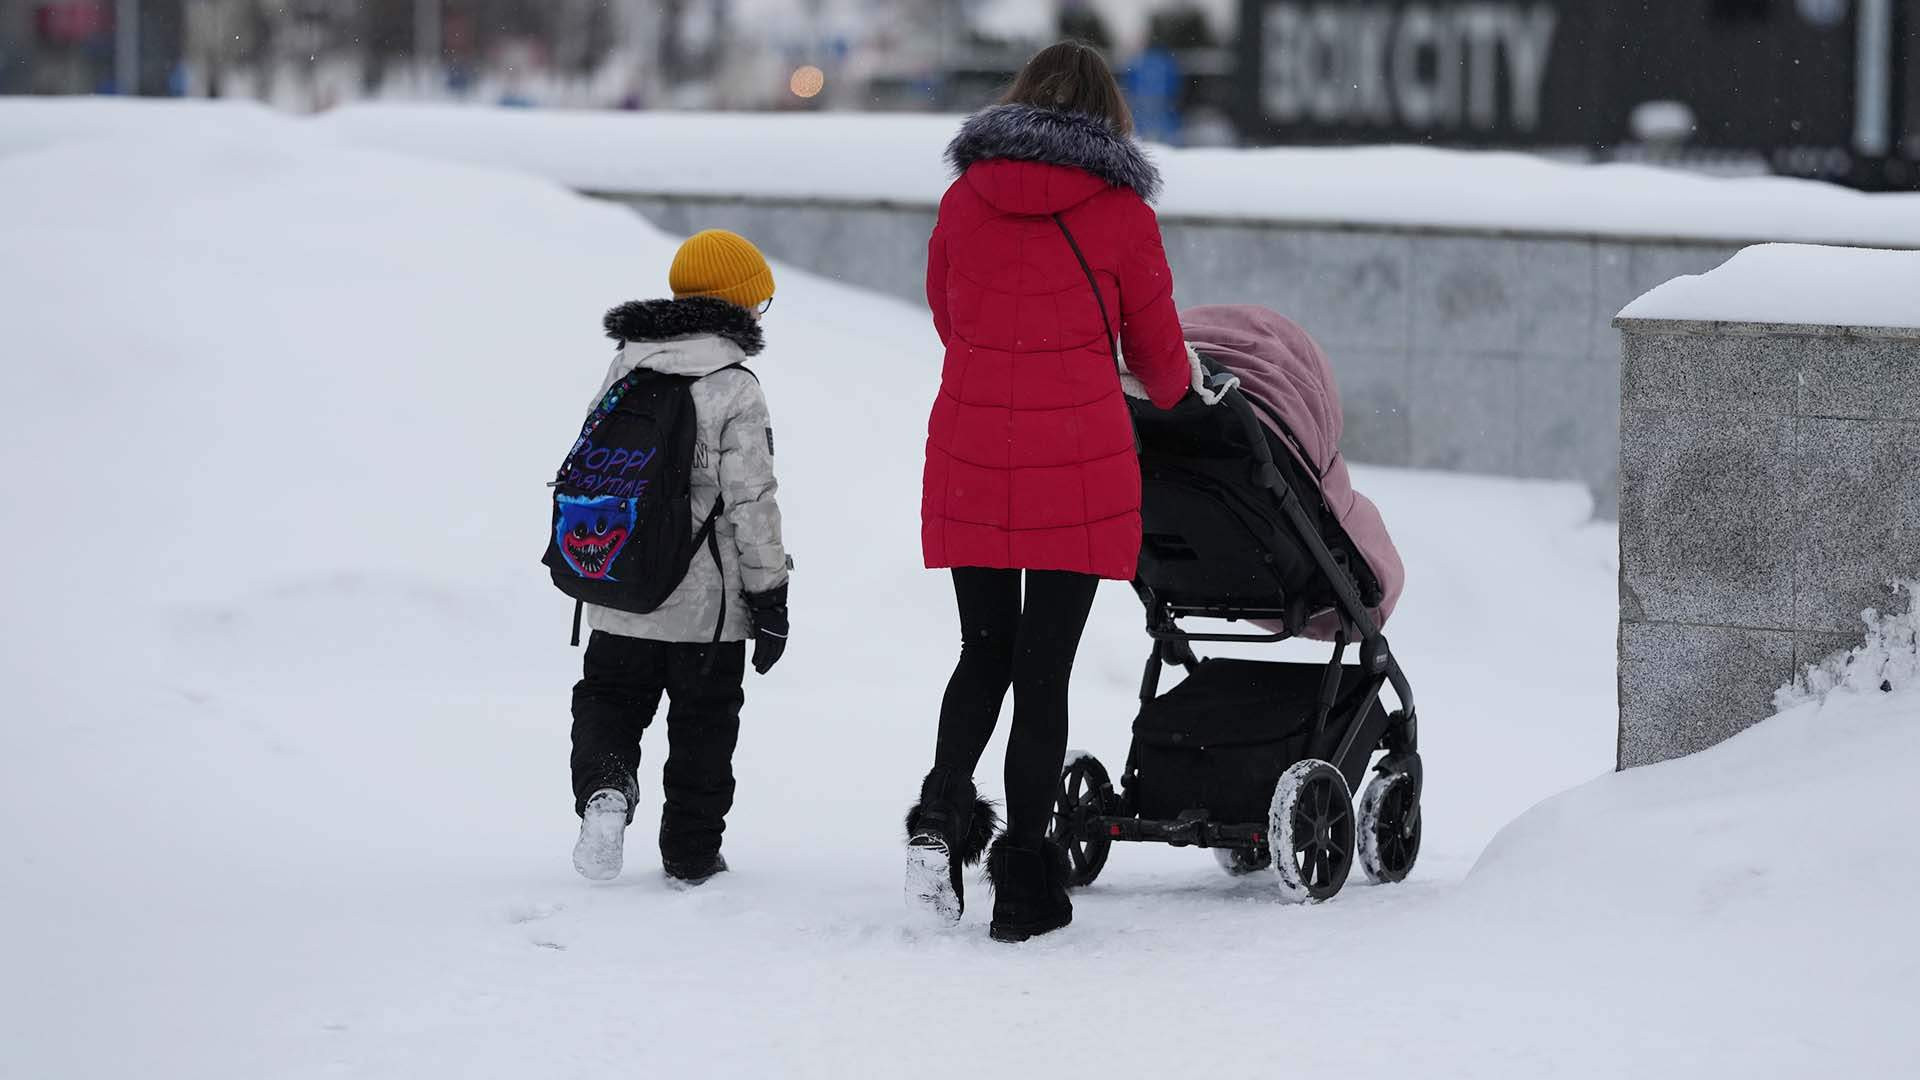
(1054, 137)
(695, 316)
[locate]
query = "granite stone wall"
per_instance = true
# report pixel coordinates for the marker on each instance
(1472, 351)
(1769, 492)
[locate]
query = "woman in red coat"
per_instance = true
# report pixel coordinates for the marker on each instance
(1031, 476)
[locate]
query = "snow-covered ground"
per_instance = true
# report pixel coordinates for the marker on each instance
(896, 158)
(283, 766)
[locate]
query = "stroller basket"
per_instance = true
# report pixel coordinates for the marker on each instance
(1221, 739)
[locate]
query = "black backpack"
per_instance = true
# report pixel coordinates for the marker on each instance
(622, 534)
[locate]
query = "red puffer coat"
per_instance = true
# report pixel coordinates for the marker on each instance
(1030, 451)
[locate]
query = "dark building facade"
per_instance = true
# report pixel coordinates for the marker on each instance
(1823, 88)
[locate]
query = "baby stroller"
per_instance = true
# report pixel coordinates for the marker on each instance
(1257, 760)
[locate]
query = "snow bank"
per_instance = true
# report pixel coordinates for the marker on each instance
(898, 158)
(1762, 885)
(879, 156)
(1795, 284)
(30, 123)
(1421, 186)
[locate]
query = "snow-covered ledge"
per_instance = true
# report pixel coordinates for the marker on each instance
(1769, 480)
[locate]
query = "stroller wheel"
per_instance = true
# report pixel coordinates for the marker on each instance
(1310, 831)
(1389, 827)
(1085, 792)
(1243, 861)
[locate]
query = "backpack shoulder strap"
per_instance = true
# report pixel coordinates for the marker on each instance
(608, 402)
(624, 383)
(730, 367)
(712, 537)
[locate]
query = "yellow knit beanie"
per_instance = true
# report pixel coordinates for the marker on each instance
(723, 265)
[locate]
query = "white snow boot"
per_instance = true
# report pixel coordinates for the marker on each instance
(603, 832)
(948, 829)
(931, 871)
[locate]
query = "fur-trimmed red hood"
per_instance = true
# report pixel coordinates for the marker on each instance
(1054, 137)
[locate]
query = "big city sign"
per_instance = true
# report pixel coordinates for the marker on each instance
(1422, 67)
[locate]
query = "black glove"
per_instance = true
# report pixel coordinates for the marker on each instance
(769, 611)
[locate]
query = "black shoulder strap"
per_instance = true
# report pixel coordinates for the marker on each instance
(610, 399)
(710, 533)
(1112, 345)
(742, 366)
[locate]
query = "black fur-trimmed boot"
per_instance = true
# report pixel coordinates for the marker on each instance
(1029, 889)
(948, 829)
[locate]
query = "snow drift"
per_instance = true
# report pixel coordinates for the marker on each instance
(890, 157)
(1762, 886)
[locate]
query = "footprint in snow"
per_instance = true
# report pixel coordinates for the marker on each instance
(521, 914)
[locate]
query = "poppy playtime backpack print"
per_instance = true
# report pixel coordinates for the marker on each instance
(591, 530)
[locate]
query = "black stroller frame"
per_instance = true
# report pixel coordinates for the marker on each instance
(1309, 836)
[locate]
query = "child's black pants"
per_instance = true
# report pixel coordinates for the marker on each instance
(614, 702)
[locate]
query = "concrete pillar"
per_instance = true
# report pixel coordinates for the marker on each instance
(1769, 491)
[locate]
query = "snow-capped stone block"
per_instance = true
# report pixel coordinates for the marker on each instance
(1769, 480)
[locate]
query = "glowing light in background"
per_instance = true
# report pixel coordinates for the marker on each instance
(807, 81)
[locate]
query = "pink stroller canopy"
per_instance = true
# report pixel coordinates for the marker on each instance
(1285, 369)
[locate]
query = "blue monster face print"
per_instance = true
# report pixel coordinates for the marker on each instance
(592, 530)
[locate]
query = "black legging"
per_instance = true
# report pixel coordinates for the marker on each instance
(1031, 649)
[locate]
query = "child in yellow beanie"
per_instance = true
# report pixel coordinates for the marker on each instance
(692, 647)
